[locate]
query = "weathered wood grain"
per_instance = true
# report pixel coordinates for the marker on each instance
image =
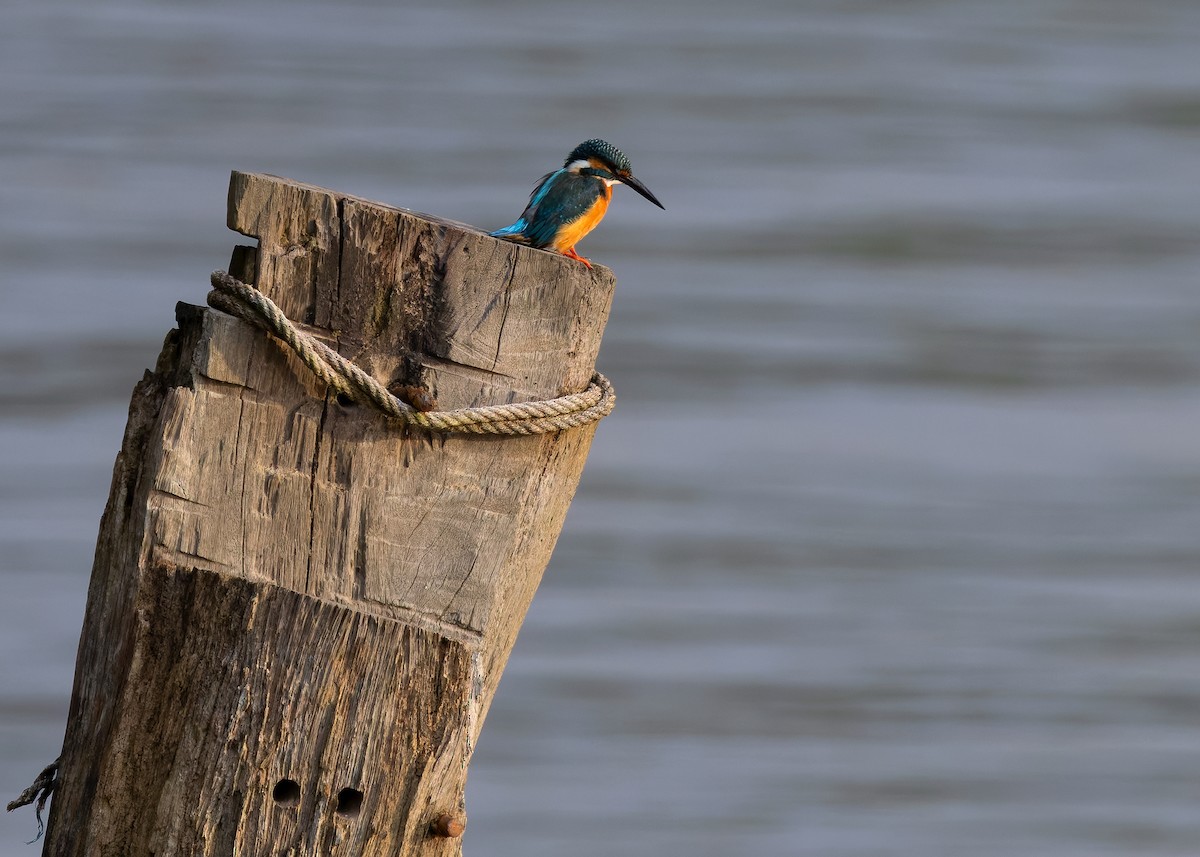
(288, 589)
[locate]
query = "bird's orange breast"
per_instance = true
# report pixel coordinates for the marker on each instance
(576, 229)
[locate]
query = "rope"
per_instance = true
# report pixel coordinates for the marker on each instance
(40, 791)
(578, 409)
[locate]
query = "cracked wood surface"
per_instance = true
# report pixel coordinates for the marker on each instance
(289, 589)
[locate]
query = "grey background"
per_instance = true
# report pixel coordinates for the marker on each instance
(891, 546)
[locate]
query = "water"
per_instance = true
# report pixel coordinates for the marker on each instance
(891, 547)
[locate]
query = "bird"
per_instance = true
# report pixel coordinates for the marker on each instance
(568, 203)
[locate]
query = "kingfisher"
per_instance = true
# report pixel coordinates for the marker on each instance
(568, 203)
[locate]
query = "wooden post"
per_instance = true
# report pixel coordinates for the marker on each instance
(299, 612)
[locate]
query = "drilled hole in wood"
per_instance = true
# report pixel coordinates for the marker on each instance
(286, 793)
(349, 802)
(344, 400)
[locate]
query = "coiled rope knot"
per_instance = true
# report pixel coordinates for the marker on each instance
(578, 409)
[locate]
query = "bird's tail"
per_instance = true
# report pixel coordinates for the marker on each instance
(515, 232)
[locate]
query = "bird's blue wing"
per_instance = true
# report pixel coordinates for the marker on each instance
(563, 198)
(516, 230)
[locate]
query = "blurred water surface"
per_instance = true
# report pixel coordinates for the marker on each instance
(892, 545)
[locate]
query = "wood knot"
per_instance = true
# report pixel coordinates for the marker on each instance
(419, 397)
(447, 826)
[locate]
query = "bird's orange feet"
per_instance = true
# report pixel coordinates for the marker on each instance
(571, 254)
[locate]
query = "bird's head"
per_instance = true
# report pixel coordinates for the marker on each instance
(605, 161)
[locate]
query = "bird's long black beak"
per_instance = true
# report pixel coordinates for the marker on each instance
(642, 189)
